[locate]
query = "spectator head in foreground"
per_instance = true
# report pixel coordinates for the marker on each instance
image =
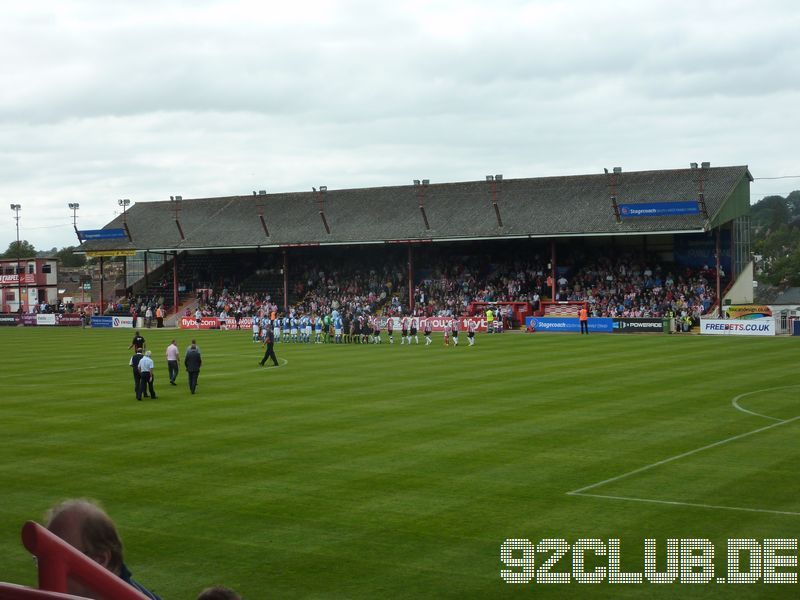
(87, 528)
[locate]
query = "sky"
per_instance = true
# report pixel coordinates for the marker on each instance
(102, 101)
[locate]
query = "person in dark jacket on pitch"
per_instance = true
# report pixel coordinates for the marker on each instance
(269, 342)
(138, 342)
(192, 361)
(134, 362)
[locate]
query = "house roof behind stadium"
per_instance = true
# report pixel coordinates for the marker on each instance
(533, 207)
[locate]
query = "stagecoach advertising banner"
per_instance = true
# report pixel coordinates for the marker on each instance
(659, 209)
(738, 327)
(112, 322)
(569, 324)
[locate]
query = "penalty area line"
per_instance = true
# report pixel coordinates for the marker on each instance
(740, 436)
(694, 504)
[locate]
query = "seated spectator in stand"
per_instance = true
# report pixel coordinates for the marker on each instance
(87, 528)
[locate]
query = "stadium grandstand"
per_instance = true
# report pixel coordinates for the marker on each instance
(546, 244)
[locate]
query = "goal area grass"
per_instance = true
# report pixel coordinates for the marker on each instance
(389, 471)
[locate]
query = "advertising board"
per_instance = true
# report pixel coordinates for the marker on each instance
(205, 323)
(9, 320)
(126, 322)
(764, 326)
(102, 322)
(569, 324)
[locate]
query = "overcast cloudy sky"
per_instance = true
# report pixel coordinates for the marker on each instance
(104, 100)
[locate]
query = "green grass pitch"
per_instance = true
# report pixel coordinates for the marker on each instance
(397, 472)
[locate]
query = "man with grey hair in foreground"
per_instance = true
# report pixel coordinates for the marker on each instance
(87, 528)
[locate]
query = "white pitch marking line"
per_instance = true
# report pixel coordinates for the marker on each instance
(675, 503)
(736, 405)
(682, 455)
(285, 362)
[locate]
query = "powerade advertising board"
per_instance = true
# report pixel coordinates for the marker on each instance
(622, 325)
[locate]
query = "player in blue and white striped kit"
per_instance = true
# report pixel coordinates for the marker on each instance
(318, 323)
(276, 328)
(286, 329)
(265, 325)
(337, 329)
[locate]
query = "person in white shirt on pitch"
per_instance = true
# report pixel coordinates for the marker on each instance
(173, 355)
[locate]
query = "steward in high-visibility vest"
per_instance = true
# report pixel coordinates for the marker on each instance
(583, 315)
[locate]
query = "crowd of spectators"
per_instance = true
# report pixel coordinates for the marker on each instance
(229, 303)
(631, 286)
(448, 288)
(44, 308)
(350, 289)
(626, 285)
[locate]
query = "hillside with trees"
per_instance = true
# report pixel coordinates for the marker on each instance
(775, 224)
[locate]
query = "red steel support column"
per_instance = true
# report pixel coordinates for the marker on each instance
(285, 283)
(410, 279)
(175, 281)
(553, 269)
(102, 289)
(719, 283)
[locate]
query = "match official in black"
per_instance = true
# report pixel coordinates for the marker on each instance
(192, 361)
(269, 342)
(138, 342)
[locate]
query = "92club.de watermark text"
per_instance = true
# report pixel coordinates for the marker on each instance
(675, 560)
